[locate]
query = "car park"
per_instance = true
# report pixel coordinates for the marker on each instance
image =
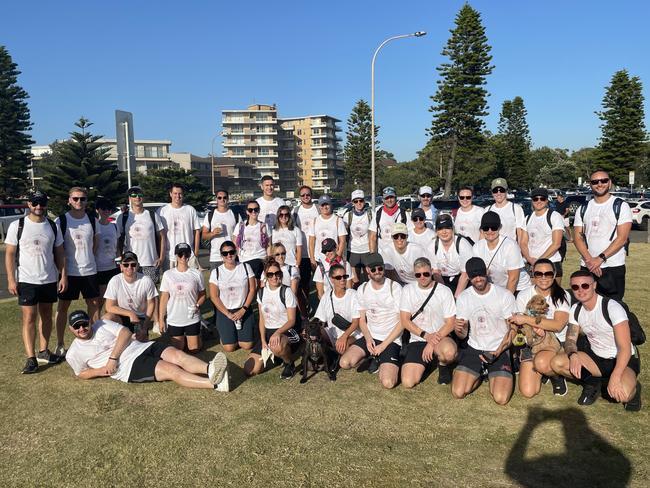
(9, 213)
(640, 213)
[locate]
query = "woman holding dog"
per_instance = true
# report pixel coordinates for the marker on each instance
(533, 366)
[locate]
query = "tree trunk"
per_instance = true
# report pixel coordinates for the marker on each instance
(450, 167)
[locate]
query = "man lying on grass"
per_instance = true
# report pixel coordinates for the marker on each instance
(108, 349)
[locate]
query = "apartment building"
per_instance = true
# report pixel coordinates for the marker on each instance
(150, 154)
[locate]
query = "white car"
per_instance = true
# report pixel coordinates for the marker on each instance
(640, 213)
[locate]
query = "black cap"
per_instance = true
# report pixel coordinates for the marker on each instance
(444, 221)
(181, 248)
(418, 212)
(129, 256)
(475, 267)
(373, 259)
(539, 192)
(38, 197)
(78, 316)
(328, 244)
(490, 219)
(104, 203)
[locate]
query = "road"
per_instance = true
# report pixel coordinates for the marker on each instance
(635, 236)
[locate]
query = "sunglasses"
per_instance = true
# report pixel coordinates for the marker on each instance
(230, 252)
(376, 269)
(280, 254)
(253, 210)
(389, 197)
(599, 180)
(39, 204)
(464, 197)
(539, 199)
(284, 214)
(185, 255)
(498, 189)
(544, 274)
(417, 219)
(79, 199)
(426, 195)
(340, 277)
(305, 195)
(222, 198)
(486, 228)
(274, 274)
(426, 274)
(79, 325)
(398, 237)
(136, 195)
(129, 265)
(584, 286)
(358, 200)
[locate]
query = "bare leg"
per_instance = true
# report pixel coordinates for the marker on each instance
(29, 329)
(463, 383)
(412, 374)
(61, 319)
(187, 362)
(283, 351)
(170, 372)
(178, 342)
(247, 346)
(530, 381)
(193, 344)
(501, 388)
(93, 305)
(45, 324)
(351, 357)
(388, 375)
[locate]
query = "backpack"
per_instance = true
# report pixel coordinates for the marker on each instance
(616, 207)
(19, 234)
(63, 222)
(283, 294)
(348, 223)
(562, 249)
(124, 217)
(402, 216)
(637, 334)
(459, 238)
(264, 236)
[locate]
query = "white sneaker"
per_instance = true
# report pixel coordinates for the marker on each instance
(217, 368)
(224, 384)
(156, 328)
(60, 351)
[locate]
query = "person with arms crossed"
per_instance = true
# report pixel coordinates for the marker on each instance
(468, 216)
(512, 216)
(181, 225)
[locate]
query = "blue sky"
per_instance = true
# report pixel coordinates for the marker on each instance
(176, 65)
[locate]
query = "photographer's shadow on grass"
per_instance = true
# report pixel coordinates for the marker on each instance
(588, 459)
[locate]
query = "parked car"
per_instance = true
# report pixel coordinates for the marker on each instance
(9, 213)
(640, 213)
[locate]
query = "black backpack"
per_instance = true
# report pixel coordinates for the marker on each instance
(459, 238)
(637, 334)
(19, 234)
(63, 222)
(616, 207)
(402, 216)
(207, 244)
(124, 217)
(283, 294)
(562, 249)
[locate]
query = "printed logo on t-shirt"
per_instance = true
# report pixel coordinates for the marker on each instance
(137, 232)
(79, 240)
(181, 289)
(35, 247)
(177, 227)
(386, 231)
(358, 231)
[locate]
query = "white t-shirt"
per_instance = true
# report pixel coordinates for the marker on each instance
(291, 239)
(304, 218)
(525, 295)
(358, 226)
(487, 315)
(141, 236)
(289, 273)
(512, 218)
(507, 257)
(36, 260)
(251, 244)
(598, 225)
(424, 240)
(275, 313)
(386, 223)
(450, 262)
(327, 282)
(180, 224)
(347, 307)
(440, 307)
(403, 263)
(226, 220)
(599, 333)
(78, 244)
(540, 235)
(183, 288)
(94, 352)
(107, 248)
(381, 307)
(332, 227)
(233, 284)
(268, 210)
(131, 296)
(468, 223)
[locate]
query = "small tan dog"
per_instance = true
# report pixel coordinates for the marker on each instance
(537, 307)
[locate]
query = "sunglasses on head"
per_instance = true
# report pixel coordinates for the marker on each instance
(544, 274)
(136, 195)
(596, 181)
(397, 237)
(486, 228)
(130, 265)
(464, 197)
(426, 274)
(79, 325)
(357, 200)
(539, 199)
(229, 252)
(253, 210)
(376, 269)
(79, 199)
(222, 198)
(305, 195)
(584, 286)
(274, 274)
(340, 277)
(280, 254)
(498, 189)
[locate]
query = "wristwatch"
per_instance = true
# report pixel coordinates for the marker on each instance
(423, 333)
(602, 256)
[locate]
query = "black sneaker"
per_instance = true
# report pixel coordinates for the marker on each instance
(288, 371)
(47, 357)
(444, 374)
(31, 366)
(634, 405)
(559, 385)
(545, 379)
(373, 365)
(589, 395)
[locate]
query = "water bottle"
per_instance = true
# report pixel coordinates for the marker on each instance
(191, 311)
(238, 324)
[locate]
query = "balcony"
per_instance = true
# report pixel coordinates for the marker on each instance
(267, 155)
(227, 143)
(323, 156)
(321, 145)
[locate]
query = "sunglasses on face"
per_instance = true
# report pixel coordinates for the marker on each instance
(274, 274)
(229, 252)
(498, 189)
(599, 180)
(376, 269)
(130, 265)
(305, 195)
(79, 199)
(280, 254)
(136, 195)
(464, 197)
(253, 210)
(425, 195)
(222, 198)
(486, 228)
(38, 204)
(398, 237)
(417, 219)
(584, 286)
(79, 325)
(539, 199)
(283, 214)
(544, 274)
(340, 277)
(426, 274)
(185, 255)
(358, 200)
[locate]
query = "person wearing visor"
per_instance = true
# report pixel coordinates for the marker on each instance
(106, 252)
(35, 265)
(426, 204)
(419, 233)
(181, 295)
(107, 348)
(381, 226)
(513, 220)
(131, 297)
(326, 226)
(451, 252)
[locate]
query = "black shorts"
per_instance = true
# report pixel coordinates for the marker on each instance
(293, 336)
(228, 333)
(191, 330)
(257, 265)
(305, 274)
(389, 355)
(612, 282)
(470, 362)
(143, 369)
(126, 322)
(606, 366)
(414, 354)
(86, 285)
(30, 294)
(103, 277)
(451, 282)
(356, 259)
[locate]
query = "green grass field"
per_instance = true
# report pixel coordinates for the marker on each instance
(56, 430)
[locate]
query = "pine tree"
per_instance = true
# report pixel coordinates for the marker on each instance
(357, 151)
(15, 142)
(513, 156)
(621, 146)
(157, 182)
(81, 161)
(460, 101)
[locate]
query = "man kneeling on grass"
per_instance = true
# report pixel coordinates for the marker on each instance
(108, 349)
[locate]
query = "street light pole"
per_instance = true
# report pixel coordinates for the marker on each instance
(212, 162)
(372, 108)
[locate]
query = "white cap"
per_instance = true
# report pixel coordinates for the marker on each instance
(357, 194)
(425, 190)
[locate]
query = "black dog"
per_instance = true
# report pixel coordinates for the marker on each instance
(317, 352)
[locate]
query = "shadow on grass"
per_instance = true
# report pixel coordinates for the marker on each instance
(588, 460)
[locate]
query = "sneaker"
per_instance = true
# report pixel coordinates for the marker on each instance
(559, 385)
(217, 368)
(545, 379)
(224, 384)
(31, 366)
(444, 374)
(288, 371)
(60, 351)
(156, 328)
(634, 405)
(373, 365)
(46, 357)
(589, 395)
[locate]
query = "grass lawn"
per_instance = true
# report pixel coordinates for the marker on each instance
(60, 431)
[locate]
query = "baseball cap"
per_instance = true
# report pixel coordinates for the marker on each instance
(425, 190)
(399, 228)
(78, 317)
(490, 219)
(418, 212)
(539, 192)
(134, 189)
(104, 203)
(373, 259)
(357, 194)
(475, 267)
(38, 197)
(328, 244)
(389, 191)
(444, 221)
(499, 182)
(129, 256)
(181, 248)
(325, 200)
